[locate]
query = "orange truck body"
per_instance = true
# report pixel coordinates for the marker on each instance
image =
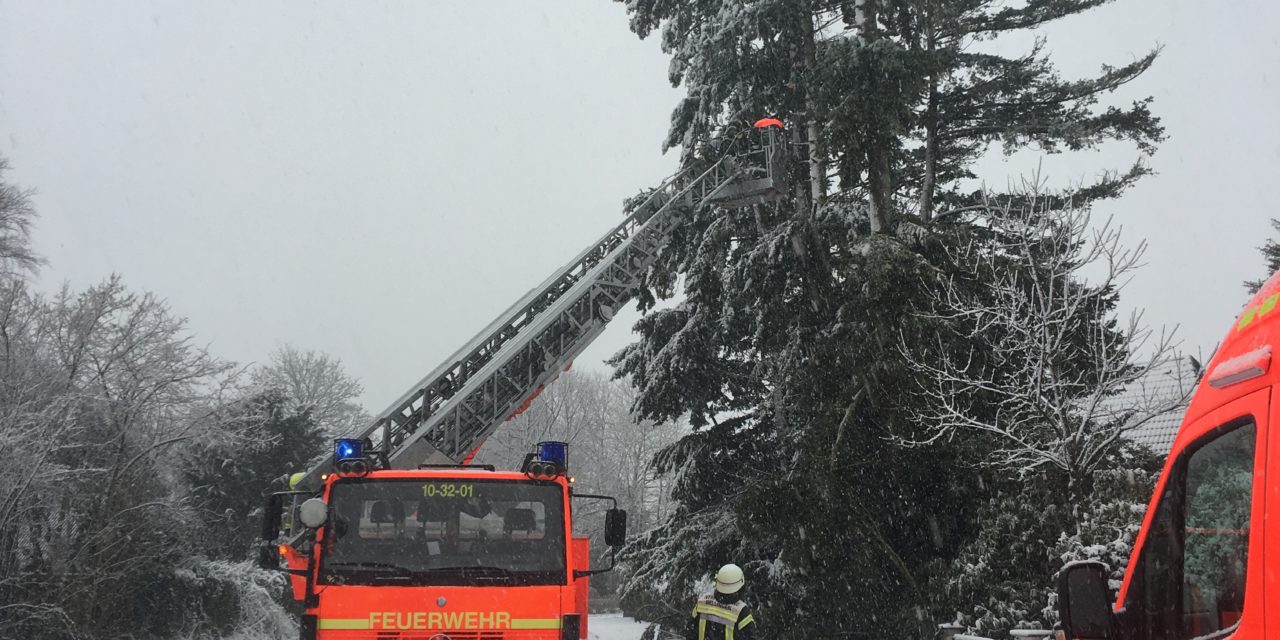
(1206, 563)
(456, 610)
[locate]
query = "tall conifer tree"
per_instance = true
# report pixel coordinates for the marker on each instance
(785, 351)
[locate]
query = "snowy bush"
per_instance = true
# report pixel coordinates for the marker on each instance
(231, 601)
(1005, 577)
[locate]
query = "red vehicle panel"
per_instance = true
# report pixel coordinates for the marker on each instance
(1207, 558)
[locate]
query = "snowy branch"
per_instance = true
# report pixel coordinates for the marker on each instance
(1031, 355)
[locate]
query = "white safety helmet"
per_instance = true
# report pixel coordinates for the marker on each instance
(729, 579)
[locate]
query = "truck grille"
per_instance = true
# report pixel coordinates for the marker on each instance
(440, 635)
(430, 634)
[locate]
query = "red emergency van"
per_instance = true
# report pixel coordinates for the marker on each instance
(1206, 563)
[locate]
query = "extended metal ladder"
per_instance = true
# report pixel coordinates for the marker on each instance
(446, 416)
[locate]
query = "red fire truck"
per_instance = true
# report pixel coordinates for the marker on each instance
(1206, 563)
(458, 552)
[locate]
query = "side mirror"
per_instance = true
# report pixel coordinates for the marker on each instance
(269, 557)
(615, 527)
(313, 513)
(1084, 601)
(271, 516)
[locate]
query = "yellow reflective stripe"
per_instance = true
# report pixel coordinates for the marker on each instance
(1246, 318)
(342, 623)
(535, 623)
(1268, 304)
(1255, 312)
(745, 621)
(702, 629)
(729, 614)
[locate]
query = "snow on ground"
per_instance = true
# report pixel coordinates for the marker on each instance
(613, 626)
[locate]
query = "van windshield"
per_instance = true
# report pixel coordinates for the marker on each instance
(444, 532)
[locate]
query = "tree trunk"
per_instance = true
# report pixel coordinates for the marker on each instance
(817, 163)
(864, 14)
(802, 194)
(879, 185)
(817, 167)
(930, 166)
(930, 122)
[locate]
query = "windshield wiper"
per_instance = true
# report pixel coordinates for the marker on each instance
(478, 570)
(382, 567)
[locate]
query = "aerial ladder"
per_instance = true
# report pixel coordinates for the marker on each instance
(446, 417)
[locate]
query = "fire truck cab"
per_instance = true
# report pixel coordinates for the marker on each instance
(1206, 563)
(450, 551)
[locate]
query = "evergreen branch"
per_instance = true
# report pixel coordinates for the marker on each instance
(1033, 14)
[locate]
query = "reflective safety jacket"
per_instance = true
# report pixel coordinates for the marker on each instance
(714, 620)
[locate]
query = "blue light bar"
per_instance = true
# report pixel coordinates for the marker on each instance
(347, 449)
(554, 452)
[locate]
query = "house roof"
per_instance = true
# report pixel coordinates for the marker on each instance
(1164, 391)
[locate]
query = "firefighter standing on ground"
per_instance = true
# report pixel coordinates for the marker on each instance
(722, 615)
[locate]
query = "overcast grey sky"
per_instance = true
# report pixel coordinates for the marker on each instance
(379, 179)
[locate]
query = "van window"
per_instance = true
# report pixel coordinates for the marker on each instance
(1219, 484)
(1189, 581)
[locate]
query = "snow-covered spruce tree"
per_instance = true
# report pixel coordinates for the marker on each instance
(784, 351)
(897, 97)
(261, 439)
(264, 439)
(1271, 252)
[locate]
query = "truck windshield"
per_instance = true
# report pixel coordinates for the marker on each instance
(444, 532)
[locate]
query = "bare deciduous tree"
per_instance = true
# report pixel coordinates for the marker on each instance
(97, 391)
(1045, 369)
(610, 451)
(16, 219)
(317, 383)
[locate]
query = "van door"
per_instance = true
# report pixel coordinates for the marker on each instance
(1199, 572)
